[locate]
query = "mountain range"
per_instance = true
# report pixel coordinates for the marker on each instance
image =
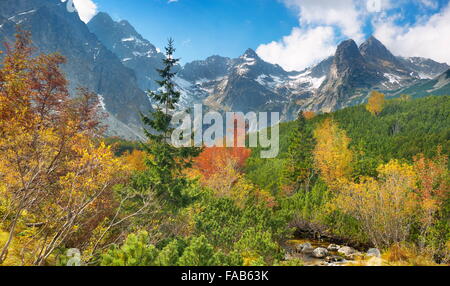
(113, 60)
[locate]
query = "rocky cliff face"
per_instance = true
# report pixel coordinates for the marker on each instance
(247, 83)
(355, 71)
(349, 74)
(89, 63)
(112, 59)
(130, 47)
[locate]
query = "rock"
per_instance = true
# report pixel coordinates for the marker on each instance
(303, 246)
(320, 252)
(306, 245)
(334, 258)
(307, 250)
(299, 247)
(333, 247)
(375, 252)
(346, 250)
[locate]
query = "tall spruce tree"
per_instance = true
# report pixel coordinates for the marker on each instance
(299, 169)
(166, 162)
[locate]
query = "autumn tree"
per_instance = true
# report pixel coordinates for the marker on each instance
(54, 177)
(385, 206)
(332, 156)
(376, 103)
(433, 191)
(309, 114)
(213, 159)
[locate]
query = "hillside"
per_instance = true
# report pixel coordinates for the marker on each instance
(401, 131)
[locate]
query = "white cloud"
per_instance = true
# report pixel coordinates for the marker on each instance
(300, 49)
(315, 38)
(377, 6)
(86, 9)
(428, 38)
(343, 14)
(320, 24)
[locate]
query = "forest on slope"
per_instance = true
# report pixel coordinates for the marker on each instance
(373, 175)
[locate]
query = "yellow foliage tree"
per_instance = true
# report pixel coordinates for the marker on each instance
(332, 155)
(376, 103)
(384, 206)
(136, 160)
(56, 182)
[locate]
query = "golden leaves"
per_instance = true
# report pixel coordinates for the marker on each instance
(332, 155)
(376, 103)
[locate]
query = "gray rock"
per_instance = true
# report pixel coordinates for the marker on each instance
(333, 247)
(320, 252)
(307, 250)
(302, 246)
(374, 252)
(346, 250)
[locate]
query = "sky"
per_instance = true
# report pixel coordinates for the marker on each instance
(292, 33)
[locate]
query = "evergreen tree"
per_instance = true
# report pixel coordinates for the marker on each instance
(299, 170)
(166, 162)
(135, 251)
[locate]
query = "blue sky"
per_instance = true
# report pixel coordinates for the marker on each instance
(292, 33)
(205, 27)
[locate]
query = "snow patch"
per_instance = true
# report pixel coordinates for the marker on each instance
(392, 78)
(130, 39)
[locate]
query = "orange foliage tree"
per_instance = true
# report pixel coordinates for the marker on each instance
(432, 188)
(309, 114)
(220, 169)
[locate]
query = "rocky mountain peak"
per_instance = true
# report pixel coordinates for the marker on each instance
(134, 51)
(250, 53)
(102, 16)
(347, 57)
(373, 48)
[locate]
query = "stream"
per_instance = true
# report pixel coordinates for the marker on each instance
(291, 247)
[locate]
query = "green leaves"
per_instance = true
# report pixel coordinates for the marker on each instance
(136, 251)
(166, 162)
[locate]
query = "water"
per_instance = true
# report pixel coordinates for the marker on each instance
(308, 260)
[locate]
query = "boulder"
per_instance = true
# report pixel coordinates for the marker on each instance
(346, 250)
(307, 250)
(375, 252)
(304, 247)
(333, 247)
(320, 252)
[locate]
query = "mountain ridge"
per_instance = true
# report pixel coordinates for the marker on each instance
(115, 61)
